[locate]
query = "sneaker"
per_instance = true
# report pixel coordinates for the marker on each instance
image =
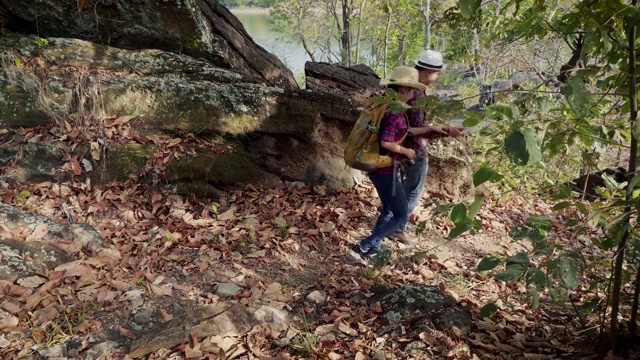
(404, 238)
(357, 253)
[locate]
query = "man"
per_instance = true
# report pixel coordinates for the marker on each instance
(428, 65)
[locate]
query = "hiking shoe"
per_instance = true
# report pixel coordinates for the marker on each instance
(404, 238)
(357, 253)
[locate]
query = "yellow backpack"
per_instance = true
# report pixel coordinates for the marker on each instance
(362, 151)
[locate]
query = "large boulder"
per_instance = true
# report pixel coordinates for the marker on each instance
(359, 82)
(30, 242)
(198, 28)
(424, 302)
(249, 132)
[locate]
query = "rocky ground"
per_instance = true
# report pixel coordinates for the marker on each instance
(266, 274)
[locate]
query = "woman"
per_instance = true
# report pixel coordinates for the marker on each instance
(403, 80)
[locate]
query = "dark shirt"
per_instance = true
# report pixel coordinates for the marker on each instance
(417, 119)
(392, 128)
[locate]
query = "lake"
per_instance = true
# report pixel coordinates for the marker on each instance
(261, 28)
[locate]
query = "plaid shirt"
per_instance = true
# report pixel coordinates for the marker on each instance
(417, 119)
(392, 128)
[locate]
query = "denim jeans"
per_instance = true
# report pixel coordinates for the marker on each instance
(394, 204)
(413, 185)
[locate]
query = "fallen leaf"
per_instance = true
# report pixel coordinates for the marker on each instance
(194, 352)
(8, 321)
(31, 281)
(4, 343)
(164, 316)
(228, 215)
(96, 152)
(38, 233)
(428, 338)
(160, 290)
(120, 285)
(347, 329)
(125, 332)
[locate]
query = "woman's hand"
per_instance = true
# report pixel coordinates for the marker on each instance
(409, 153)
(455, 131)
(397, 148)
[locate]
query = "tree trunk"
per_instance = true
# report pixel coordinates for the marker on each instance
(426, 11)
(299, 17)
(386, 40)
(345, 36)
(359, 28)
(476, 54)
(619, 259)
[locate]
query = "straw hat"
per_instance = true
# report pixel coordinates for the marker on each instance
(430, 60)
(404, 76)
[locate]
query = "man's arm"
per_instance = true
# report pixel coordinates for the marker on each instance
(435, 132)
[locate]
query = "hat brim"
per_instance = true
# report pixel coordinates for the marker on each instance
(415, 85)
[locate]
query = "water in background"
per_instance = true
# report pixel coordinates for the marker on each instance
(262, 30)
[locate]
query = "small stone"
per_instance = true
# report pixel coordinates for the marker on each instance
(317, 297)
(297, 185)
(102, 350)
(143, 316)
(54, 352)
(228, 289)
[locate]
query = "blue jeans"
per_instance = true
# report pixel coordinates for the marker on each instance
(413, 185)
(394, 204)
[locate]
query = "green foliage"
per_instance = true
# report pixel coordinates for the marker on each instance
(488, 310)
(283, 227)
(380, 259)
(559, 271)
(463, 218)
(468, 8)
(22, 197)
(40, 42)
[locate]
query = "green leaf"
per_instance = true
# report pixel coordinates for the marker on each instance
(566, 269)
(470, 122)
(589, 307)
(485, 174)
(469, 7)
(18, 62)
(521, 258)
(488, 310)
(636, 128)
(577, 96)
(459, 214)
(631, 16)
(516, 147)
(533, 145)
(633, 183)
(475, 207)
(380, 258)
(488, 263)
(535, 298)
(562, 205)
(536, 277)
(459, 230)
(496, 111)
(397, 107)
(512, 272)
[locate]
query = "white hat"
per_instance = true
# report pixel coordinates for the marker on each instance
(404, 76)
(430, 60)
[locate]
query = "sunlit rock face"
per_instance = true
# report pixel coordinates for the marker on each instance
(200, 29)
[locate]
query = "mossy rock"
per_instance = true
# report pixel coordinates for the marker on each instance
(230, 169)
(122, 160)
